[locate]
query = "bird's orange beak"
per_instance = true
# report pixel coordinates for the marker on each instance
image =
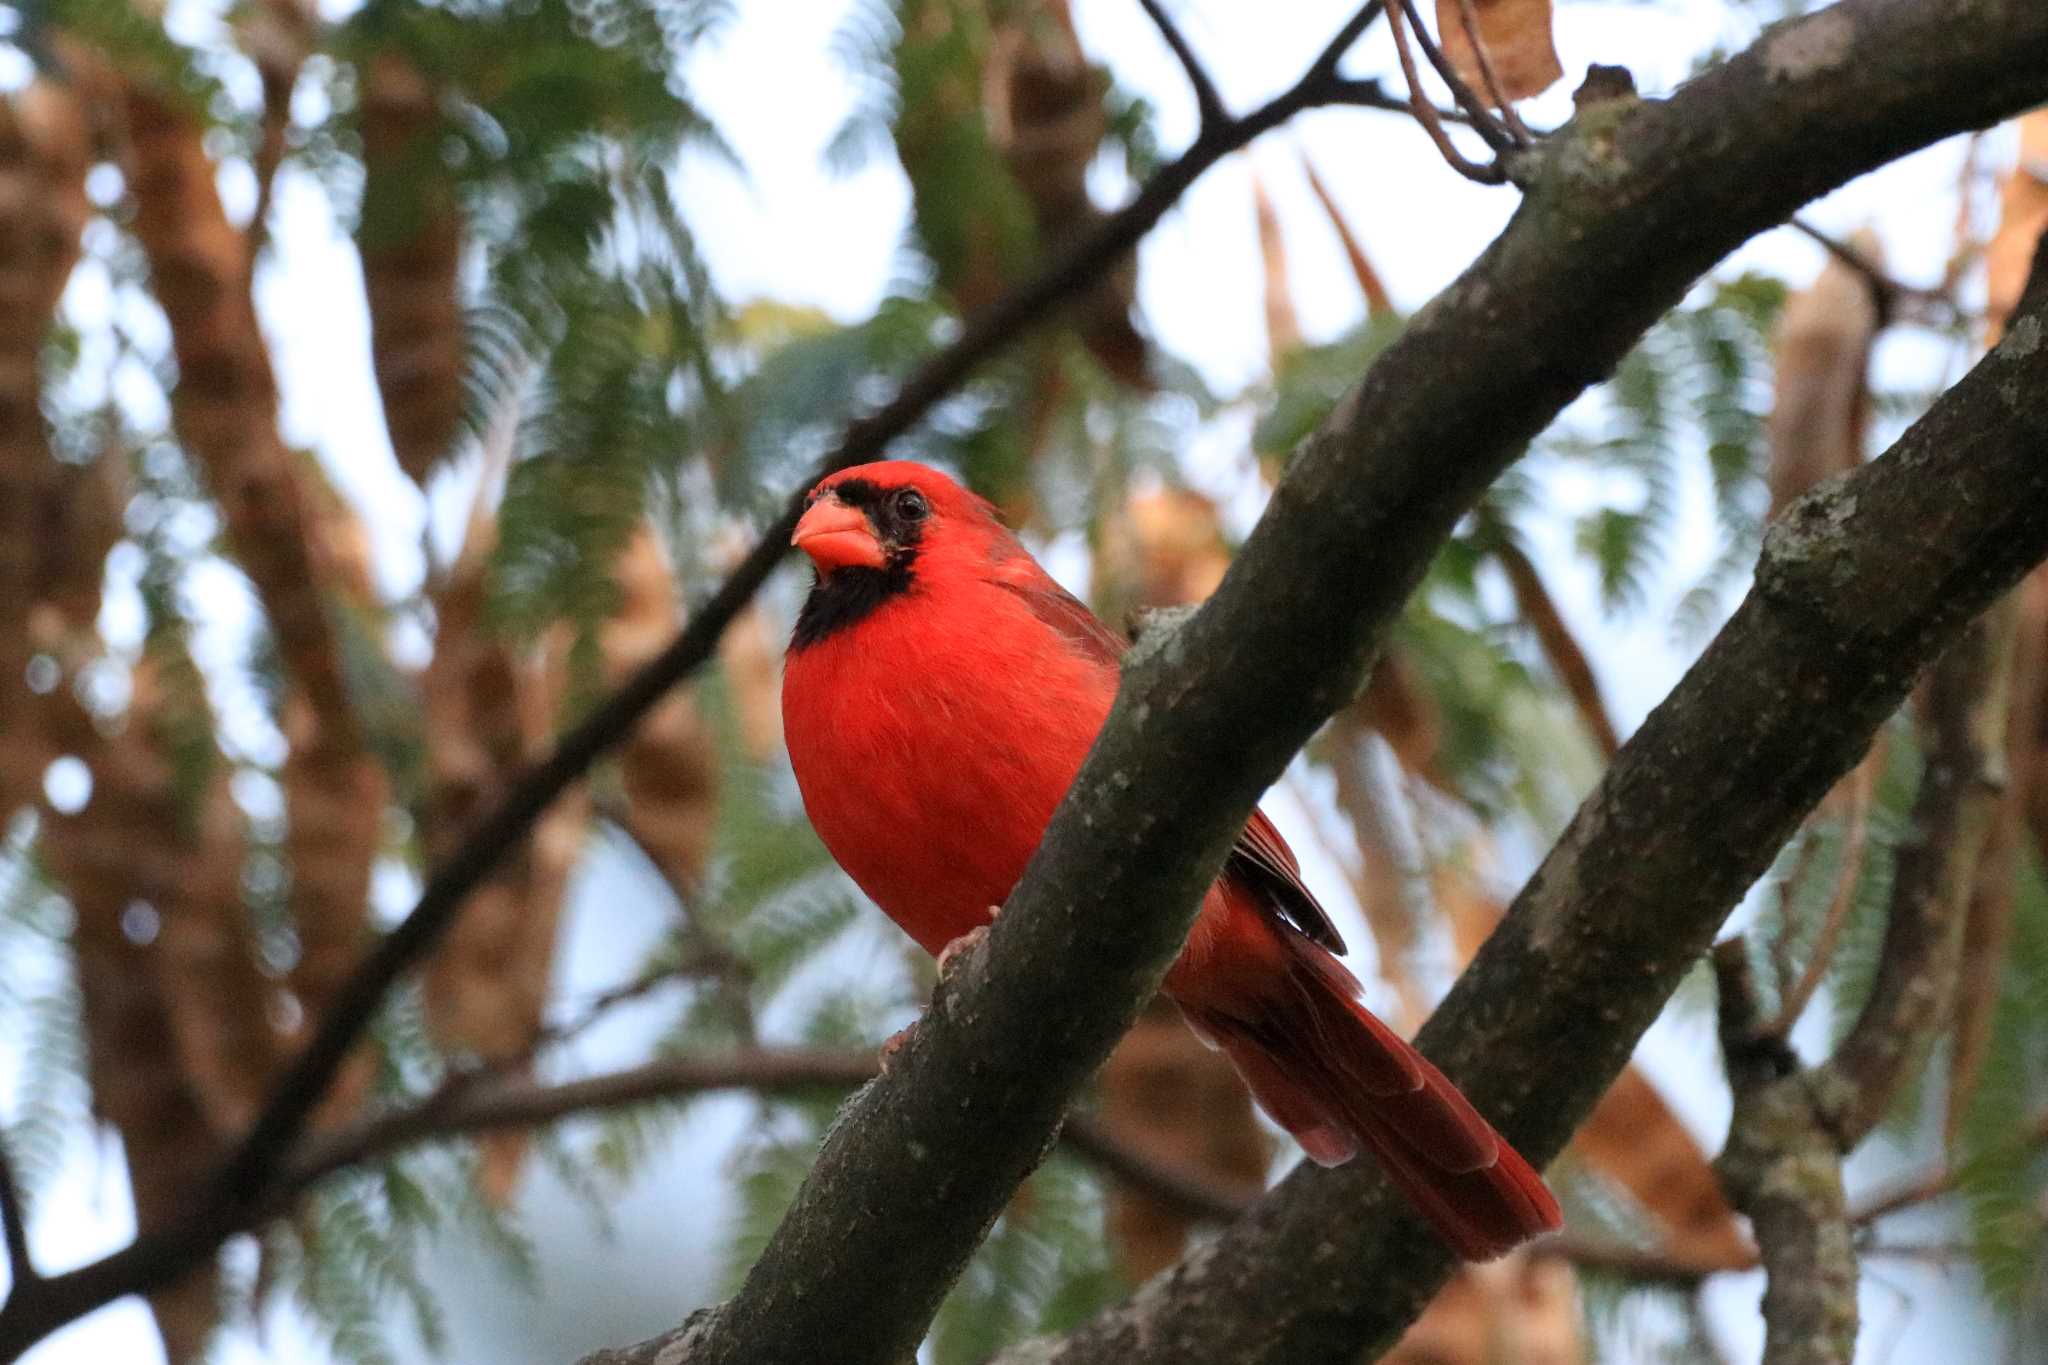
(836, 536)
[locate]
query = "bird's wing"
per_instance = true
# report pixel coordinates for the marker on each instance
(1081, 629)
(1261, 860)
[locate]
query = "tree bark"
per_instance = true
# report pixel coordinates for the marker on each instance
(1858, 589)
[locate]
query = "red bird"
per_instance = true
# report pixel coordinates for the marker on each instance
(940, 694)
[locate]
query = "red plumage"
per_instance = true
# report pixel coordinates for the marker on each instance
(941, 692)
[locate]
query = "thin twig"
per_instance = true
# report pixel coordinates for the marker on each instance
(504, 1102)
(1890, 291)
(1940, 1181)
(1796, 998)
(1207, 101)
(1360, 92)
(1468, 17)
(1426, 115)
(14, 1227)
(1484, 122)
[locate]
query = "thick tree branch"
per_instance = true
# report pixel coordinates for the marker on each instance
(1783, 1168)
(1626, 208)
(247, 1181)
(1782, 703)
(1964, 726)
(1792, 1126)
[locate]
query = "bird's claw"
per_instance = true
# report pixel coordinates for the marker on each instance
(890, 1045)
(965, 943)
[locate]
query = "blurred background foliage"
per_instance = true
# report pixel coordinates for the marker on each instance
(194, 844)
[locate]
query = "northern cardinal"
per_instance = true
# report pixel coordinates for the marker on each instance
(941, 691)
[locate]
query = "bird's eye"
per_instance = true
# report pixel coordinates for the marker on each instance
(911, 505)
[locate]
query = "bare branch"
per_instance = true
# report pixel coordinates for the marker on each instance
(1484, 122)
(1964, 717)
(1892, 293)
(1783, 1168)
(1935, 1183)
(1207, 101)
(510, 1101)
(1492, 174)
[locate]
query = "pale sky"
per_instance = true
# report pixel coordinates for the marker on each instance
(792, 232)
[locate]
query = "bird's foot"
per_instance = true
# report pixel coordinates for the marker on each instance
(890, 1045)
(965, 943)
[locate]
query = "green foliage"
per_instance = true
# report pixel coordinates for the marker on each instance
(2005, 1173)
(39, 1016)
(351, 1256)
(1044, 1267)
(1312, 379)
(1697, 386)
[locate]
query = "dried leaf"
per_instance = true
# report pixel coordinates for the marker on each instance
(490, 711)
(669, 764)
(410, 239)
(334, 798)
(1170, 547)
(2022, 217)
(1634, 1139)
(1820, 409)
(1042, 103)
(225, 404)
(1396, 704)
(1378, 304)
(1283, 328)
(1539, 612)
(44, 151)
(750, 652)
(1518, 45)
(173, 1061)
(1524, 1309)
(1987, 928)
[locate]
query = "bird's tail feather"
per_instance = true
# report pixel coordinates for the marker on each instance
(1338, 1079)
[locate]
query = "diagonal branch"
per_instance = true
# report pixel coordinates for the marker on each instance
(1694, 807)
(509, 1101)
(1625, 209)
(247, 1179)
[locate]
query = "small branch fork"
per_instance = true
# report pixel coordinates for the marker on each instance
(1793, 1125)
(248, 1183)
(1504, 133)
(1896, 300)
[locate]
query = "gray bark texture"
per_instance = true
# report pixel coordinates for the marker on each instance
(1860, 586)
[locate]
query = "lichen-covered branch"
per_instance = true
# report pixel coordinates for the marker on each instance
(1626, 207)
(1783, 1167)
(248, 1179)
(1793, 1125)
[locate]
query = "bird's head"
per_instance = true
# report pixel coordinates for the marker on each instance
(875, 530)
(879, 516)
